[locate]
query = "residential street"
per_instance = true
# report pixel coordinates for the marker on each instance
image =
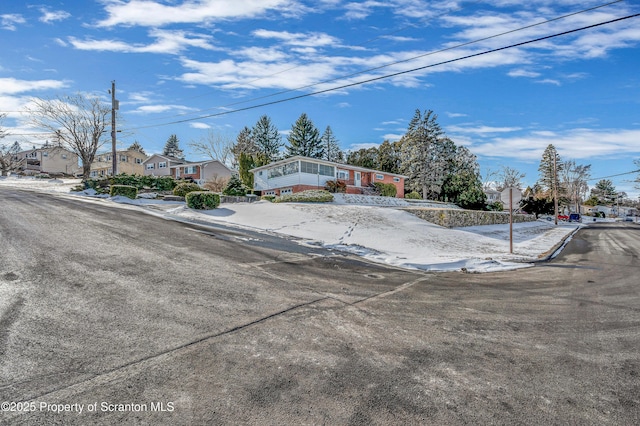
(130, 318)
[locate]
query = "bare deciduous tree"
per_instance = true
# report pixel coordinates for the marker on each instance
(8, 159)
(214, 145)
(78, 122)
(509, 177)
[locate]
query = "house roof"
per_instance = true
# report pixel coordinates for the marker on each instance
(325, 162)
(201, 163)
(165, 157)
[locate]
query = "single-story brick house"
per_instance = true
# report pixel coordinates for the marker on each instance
(300, 173)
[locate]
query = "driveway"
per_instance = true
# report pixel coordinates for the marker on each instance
(110, 315)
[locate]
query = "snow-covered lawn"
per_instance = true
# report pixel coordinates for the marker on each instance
(383, 234)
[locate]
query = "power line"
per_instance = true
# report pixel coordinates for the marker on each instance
(305, 95)
(282, 92)
(619, 174)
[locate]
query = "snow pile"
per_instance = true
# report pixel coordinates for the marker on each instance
(393, 236)
(388, 235)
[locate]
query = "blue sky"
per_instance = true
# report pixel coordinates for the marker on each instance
(178, 60)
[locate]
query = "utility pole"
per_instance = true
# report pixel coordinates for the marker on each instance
(555, 186)
(114, 107)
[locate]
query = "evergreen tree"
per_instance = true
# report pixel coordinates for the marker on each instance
(604, 191)
(332, 151)
(549, 171)
(137, 147)
(304, 139)
(267, 140)
(424, 154)
(244, 145)
(172, 148)
(463, 185)
(246, 162)
(364, 157)
(389, 157)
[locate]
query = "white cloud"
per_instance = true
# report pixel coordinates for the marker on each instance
(14, 86)
(298, 39)
(579, 144)
(166, 42)
(9, 21)
(49, 16)
(154, 109)
(199, 125)
(154, 14)
(455, 114)
(482, 130)
(549, 81)
(523, 73)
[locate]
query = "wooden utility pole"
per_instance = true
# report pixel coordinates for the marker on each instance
(555, 186)
(114, 107)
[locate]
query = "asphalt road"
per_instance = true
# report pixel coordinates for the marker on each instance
(134, 319)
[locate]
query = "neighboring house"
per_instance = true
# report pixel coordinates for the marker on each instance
(201, 171)
(300, 173)
(129, 161)
(493, 196)
(48, 159)
(158, 165)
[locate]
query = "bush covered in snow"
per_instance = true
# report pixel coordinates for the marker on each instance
(311, 196)
(184, 188)
(124, 190)
(202, 200)
(270, 198)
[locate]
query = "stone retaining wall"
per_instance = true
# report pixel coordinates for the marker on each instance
(459, 218)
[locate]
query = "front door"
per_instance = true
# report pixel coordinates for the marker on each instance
(358, 179)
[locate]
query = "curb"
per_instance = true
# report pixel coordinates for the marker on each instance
(553, 251)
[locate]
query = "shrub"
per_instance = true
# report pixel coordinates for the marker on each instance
(336, 186)
(182, 189)
(270, 198)
(124, 190)
(496, 206)
(216, 183)
(386, 189)
(235, 187)
(311, 196)
(413, 195)
(42, 176)
(100, 185)
(202, 200)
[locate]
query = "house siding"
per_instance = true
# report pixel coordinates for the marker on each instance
(299, 179)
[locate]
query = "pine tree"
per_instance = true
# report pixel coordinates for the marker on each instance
(332, 151)
(267, 140)
(135, 146)
(463, 185)
(549, 171)
(244, 145)
(605, 191)
(246, 162)
(389, 157)
(426, 154)
(172, 148)
(304, 139)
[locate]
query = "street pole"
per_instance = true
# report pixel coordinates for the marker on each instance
(555, 187)
(114, 107)
(510, 220)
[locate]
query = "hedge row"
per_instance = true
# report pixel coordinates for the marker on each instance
(160, 183)
(311, 196)
(124, 190)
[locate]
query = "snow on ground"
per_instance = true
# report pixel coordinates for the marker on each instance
(361, 226)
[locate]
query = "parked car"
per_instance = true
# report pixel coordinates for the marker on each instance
(574, 217)
(563, 217)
